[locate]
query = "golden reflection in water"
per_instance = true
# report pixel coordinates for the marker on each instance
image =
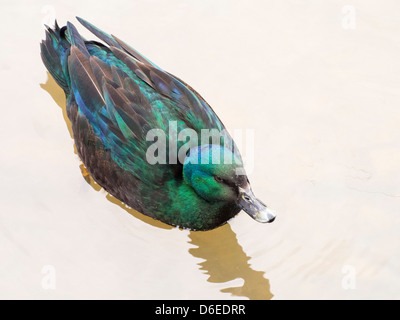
(224, 258)
(58, 95)
(225, 261)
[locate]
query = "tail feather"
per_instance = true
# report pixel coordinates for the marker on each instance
(99, 33)
(53, 51)
(113, 41)
(76, 39)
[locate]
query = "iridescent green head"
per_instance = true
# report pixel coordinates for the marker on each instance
(216, 174)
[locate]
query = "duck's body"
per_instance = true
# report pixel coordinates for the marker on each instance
(114, 97)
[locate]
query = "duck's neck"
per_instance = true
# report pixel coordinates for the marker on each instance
(186, 209)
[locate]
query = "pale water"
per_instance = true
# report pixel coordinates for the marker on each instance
(317, 82)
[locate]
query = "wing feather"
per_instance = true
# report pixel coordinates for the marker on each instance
(124, 95)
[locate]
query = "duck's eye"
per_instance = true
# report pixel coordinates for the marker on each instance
(246, 197)
(218, 179)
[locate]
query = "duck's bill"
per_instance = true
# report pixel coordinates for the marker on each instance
(254, 207)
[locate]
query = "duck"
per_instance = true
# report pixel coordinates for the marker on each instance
(139, 131)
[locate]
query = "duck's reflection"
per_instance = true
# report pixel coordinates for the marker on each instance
(225, 261)
(224, 258)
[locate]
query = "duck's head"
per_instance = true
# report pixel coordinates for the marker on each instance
(217, 174)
